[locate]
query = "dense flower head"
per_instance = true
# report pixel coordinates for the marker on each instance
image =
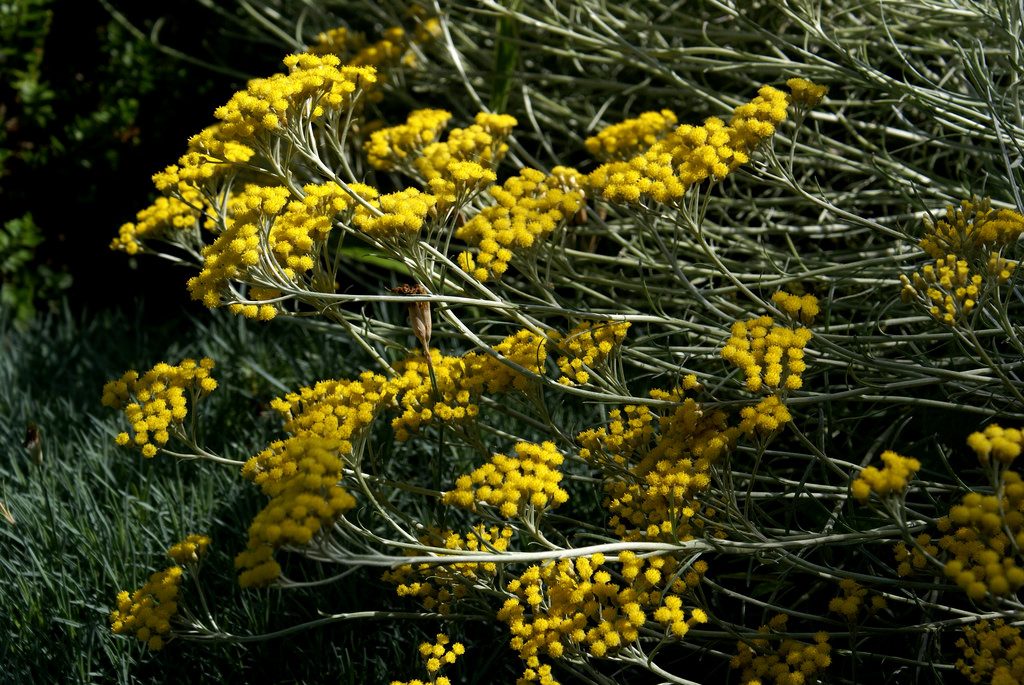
(766, 417)
(190, 549)
(982, 537)
(148, 611)
(587, 346)
(915, 558)
(689, 155)
(656, 477)
(160, 220)
(996, 443)
(853, 600)
(968, 229)
(436, 655)
(528, 207)
(946, 289)
(804, 93)
(301, 476)
(993, 652)
(790, 663)
(396, 147)
(313, 85)
(156, 403)
(770, 356)
(438, 587)
(529, 478)
(891, 479)
(402, 214)
(237, 248)
(798, 307)
(631, 136)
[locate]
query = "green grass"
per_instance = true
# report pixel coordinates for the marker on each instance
(93, 518)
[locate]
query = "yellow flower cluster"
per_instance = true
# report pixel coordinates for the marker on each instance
(791, 663)
(967, 230)
(455, 169)
(765, 417)
(439, 586)
(770, 356)
(403, 214)
(304, 498)
(850, 603)
(567, 606)
(460, 381)
(157, 221)
(1001, 444)
(528, 208)
(313, 85)
(147, 612)
(915, 559)
(528, 479)
(628, 138)
(308, 221)
(209, 157)
(436, 656)
(804, 93)
(672, 615)
(690, 155)
(396, 147)
(654, 492)
(798, 307)
(947, 289)
(891, 479)
(993, 653)
(155, 403)
(237, 248)
(587, 346)
(301, 474)
(984, 546)
(189, 550)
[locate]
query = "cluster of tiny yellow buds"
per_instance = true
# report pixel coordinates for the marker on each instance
(767, 416)
(396, 147)
(528, 207)
(915, 559)
(147, 612)
(630, 137)
(587, 346)
(528, 479)
(301, 477)
(755, 121)
(993, 653)
(438, 587)
(798, 307)
(261, 311)
(209, 158)
(570, 604)
(804, 93)
(891, 479)
(673, 617)
(484, 142)
(629, 430)
(461, 182)
(536, 672)
(770, 356)
(156, 403)
(403, 214)
(440, 654)
(313, 85)
(237, 248)
(849, 604)
(967, 230)
(1001, 444)
(983, 547)
(947, 289)
(307, 222)
(160, 220)
(999, 268)
(189, 550)
(791, 663)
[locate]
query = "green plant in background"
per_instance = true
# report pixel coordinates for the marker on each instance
(24, 284)
(731, 385)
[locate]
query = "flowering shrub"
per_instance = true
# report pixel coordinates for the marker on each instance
(700, 321)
